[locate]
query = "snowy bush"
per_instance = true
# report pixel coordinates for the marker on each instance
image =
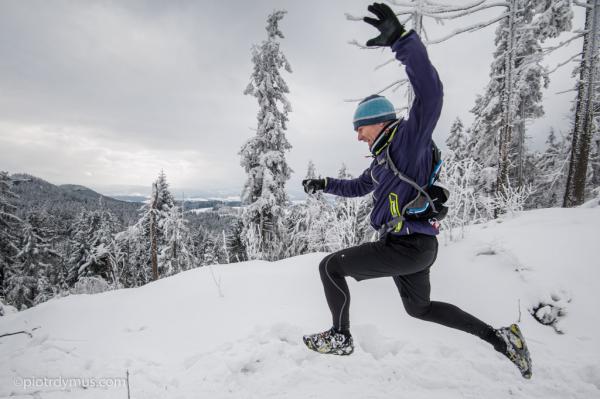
(463, 209)
(6, 309)
(90, 285)
(510, 200)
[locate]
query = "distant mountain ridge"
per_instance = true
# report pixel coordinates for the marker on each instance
(67, 199)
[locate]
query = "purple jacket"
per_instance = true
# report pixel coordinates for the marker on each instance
(410, 148)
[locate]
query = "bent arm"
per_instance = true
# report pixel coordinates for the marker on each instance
(358, 187)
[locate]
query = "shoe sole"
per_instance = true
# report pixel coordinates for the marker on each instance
(523, 358)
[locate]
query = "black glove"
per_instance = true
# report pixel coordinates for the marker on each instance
(391, 29)
(311, 186)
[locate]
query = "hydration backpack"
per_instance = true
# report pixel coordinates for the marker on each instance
(428, 204)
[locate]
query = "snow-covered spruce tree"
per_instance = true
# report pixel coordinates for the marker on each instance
(514, 92)
(10, 226)
(263, 156)
(176, 253)
(233, 240)
(132, 257)
(552, 166)
(456, 141)
(587, 105)
(28, 282)
(93, 250)
(213, 251)
(149, 230)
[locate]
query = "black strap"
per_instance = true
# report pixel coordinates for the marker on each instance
(389, 163)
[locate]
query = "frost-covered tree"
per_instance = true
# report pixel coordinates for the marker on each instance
(213, 251)
(587, 105)
(513, 94)
(263, 155)
(28, 282)
(149, 228)
(318, 219)
(464, 208)
(456, 141)
(235, 245)
(10, 226)
(552, 166)
(93, 251)
(349, 223)
(307, 222)
(176, 251)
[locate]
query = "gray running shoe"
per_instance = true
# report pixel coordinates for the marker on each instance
(330, 342)
(516, 348)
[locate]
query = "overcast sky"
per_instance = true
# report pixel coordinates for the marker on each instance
(106, 94)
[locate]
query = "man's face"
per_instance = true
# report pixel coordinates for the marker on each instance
(369, 133)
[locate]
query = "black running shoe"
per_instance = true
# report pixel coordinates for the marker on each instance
(330, 342)
(516, 348)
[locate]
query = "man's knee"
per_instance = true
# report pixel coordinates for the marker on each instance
(329, 265)
(418, 310)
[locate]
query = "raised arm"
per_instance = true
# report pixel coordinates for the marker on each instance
(427, 104)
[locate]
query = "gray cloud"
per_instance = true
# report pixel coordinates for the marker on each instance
(104, 93)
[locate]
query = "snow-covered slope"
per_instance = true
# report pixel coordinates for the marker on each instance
(179, 338)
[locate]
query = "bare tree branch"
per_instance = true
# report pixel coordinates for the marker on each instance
(390, 61)
(20, 332)
(397, 83)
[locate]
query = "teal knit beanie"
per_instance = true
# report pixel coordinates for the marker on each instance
(373, 109)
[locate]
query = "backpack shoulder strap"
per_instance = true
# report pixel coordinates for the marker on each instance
(390, 163)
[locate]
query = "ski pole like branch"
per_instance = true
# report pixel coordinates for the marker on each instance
(28, 333)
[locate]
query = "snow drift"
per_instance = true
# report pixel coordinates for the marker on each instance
(179, 338)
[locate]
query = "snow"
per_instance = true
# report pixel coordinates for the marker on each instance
(200, 210)
(179, 339)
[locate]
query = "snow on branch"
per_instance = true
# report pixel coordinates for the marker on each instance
(564, 63)
(565, 91)
(456, 8)
(564, 43)
(460, 13)
(355, 42)
(468, 29)
(351, 17)
(390, 61)
(580, 4)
